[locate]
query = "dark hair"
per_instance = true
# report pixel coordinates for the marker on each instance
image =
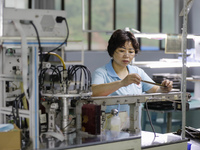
(118, 39)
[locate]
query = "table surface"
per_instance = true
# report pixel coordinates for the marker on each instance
(194, 104)
(193, 79)
(148, 139)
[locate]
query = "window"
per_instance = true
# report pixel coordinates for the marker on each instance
(74, 14)
(148, 16)
(20, 4)
(103, 12)
(126, 14)
(149, 23)
(168, 18)
(101, 20)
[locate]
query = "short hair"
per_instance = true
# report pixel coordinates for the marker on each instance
(119, 38)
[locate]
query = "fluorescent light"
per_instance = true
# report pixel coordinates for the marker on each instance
(151, 35)
(160, 35)
(173, 65)
(167, 64)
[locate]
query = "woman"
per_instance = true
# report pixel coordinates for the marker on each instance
(118, 77)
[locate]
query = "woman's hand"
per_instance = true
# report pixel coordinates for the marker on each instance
(131, 78)
(168, 85)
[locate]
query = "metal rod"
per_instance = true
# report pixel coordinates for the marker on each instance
(1, 17)
(114, 14)
(184, 69)
(64, 114)
(153, 83)
(83, 15)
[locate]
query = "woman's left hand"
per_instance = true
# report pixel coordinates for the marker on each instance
(168, 85)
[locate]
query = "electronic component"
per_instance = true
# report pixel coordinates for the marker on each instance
(166, 105)
(178, 106)
(91, 119)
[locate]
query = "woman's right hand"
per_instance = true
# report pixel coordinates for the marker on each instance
(131, 78)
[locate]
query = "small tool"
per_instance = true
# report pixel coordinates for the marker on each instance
(153, 83)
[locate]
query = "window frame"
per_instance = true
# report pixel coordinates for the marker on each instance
(138, 19)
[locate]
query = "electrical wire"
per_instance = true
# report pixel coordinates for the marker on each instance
(149, 114)
(41, 59)
(74, 69)
(61, 69)
(15, 105)
(58, 56)
(68, 124)
(55, 71)
(24, 101)
(72, 73)
(150, 119)
(65, 42)
(50, 52)
(39, 43)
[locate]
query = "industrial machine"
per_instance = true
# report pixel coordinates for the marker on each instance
(24, 34)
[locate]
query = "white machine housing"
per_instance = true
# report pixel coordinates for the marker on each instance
(44, 20)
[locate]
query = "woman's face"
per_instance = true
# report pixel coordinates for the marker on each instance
(124, 55)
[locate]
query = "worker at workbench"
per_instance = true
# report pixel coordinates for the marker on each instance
(118, 77)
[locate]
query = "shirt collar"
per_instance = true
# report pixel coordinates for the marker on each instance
(111, 70)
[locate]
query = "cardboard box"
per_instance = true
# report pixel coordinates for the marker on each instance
(10, 140)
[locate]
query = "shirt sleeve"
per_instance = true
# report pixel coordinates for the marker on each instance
(98, 76)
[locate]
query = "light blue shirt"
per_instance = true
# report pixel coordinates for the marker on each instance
(107, 74)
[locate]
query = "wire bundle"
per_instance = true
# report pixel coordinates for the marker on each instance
(55, 74)
(73, 76)
(15, 109)
(59, 19)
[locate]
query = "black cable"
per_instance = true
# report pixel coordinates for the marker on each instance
(82, 69)
(71, 132)
(86, 78)
(73, 70)
(89, 79)
(150, 119)
(42, 75)
(61, 69)
(39, 43)
(65, 42)
(16, 103)
(58, 19)
(54, 70)
(80, 80)
(41, 60)
(75, 82)
(75, 75)
(58, 73)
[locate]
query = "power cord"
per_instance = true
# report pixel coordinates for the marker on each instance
(73, 72)
(59, 19)
(15, 108)
(150, 119)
